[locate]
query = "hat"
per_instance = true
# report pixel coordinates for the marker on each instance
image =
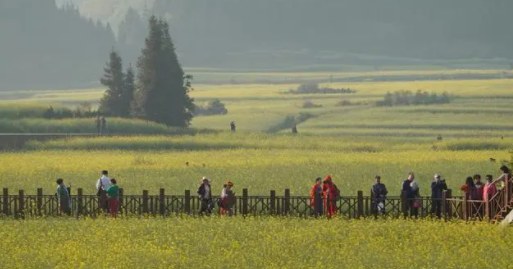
(228, 183)
(436, 175)
(204, 178)
(378, 176)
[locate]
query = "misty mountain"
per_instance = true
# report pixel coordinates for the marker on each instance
(43, 46)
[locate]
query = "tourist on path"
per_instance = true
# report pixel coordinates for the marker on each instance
(63, 197)
(489, 189)
(506, 174)
(411, 189)
(316, 198)
(227, 199)
(205, 196)
(469, 188)
(331, 193)
(378, 196)
(113, 197)
(102, 185)
(437, 187)
(232, 126)
(479, 187)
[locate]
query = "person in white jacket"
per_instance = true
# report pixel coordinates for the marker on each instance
(102, 185)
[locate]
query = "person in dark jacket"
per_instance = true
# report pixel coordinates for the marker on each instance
(437, 187)
(479, 187)
(379, 193)
(411, 190)
(205, 195)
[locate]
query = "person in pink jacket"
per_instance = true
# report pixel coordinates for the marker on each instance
(489, 189)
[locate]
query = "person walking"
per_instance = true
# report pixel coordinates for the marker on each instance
(63, 197)
(98, 125)
(437, 187)
(316, 198)
(232, 126)
(489, 189)
(294, 129)
(113, 197)
(104, 125)
(102, 185)
(378, 196)
(506, 175)
(411, 190)
(479, 187)
(331, 193)
(227, 199)
(205, 196)
(469, 188)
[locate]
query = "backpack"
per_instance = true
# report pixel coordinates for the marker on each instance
(336, 191)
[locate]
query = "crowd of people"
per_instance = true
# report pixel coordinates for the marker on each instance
(323, 194)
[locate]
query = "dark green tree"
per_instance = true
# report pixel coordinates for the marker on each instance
(113, 78)
(163, 88)
(127, 96)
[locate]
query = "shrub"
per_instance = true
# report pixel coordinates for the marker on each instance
(309, 88)
(214, 107)
(406, 98)
(310, 104)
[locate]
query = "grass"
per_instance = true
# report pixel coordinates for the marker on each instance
(251, 243)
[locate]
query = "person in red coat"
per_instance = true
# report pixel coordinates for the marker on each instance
(316, 194)
(331, 194)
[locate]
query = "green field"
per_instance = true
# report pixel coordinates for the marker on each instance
(351, 143)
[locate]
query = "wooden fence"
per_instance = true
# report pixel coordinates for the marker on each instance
(21, 205)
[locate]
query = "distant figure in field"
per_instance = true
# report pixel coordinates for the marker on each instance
(316, 198)
(63, 197)
(479, 187)
(379, 193)
(437, 187)
(102, 185)
(227, 199)
(294, 129)
(411, 189)
(205, 195)
(331, 193)
(99, 124)
(113, 197)
(439, 138)
(232, 126)
(104, 125)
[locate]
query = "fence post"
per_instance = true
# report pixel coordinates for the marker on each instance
(187, 201)
(404, 203)
(21, 203)
(272, 206)
(464, 208)
(286, 209)
(448, 194)
(80, 202)
(121, 199)
(444, 205)
(506, 191)
(360, 204)
(39, 201)
(162, 205)
(5, 201)
(244, 202)
(145, 201)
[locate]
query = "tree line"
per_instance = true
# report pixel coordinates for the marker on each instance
(159, 92)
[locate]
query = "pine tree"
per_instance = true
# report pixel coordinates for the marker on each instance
(128, 92)
(114, 80)
(163, 89)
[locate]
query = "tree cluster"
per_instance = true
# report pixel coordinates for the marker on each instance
(406, 98)
(214, 107)
(159, 92)
(310, 88)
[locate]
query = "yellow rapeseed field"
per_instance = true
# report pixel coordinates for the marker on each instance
(251, 243)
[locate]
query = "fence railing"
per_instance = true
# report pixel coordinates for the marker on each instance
(21, 205)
